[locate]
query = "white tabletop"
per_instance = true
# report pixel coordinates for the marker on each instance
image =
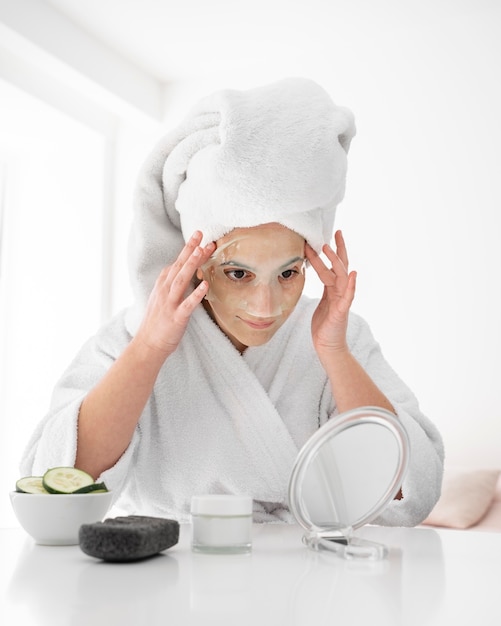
(441, 577)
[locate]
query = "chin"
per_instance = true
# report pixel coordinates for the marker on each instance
(255, 339)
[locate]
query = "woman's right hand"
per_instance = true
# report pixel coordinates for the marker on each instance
(170, 305)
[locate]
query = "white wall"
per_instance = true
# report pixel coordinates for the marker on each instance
(51, 278)
(421, 213)
(422, 210)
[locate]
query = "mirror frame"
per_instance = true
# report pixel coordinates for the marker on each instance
(336, 425)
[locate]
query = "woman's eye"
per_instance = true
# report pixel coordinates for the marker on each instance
(236, 275)
(288, 274)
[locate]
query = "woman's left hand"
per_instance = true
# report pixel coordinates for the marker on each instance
(330, 319)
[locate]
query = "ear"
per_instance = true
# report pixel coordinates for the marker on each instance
(200, 274)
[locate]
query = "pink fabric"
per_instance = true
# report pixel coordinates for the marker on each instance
(448, 515)
(492, 519)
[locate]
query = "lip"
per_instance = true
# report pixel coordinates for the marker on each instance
(258, 325)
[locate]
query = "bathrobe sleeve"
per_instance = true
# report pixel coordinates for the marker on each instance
(422, 484)
(54, 441)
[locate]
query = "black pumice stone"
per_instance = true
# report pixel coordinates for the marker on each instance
(128, 538)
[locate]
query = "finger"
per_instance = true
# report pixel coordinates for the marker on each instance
(197, 259)
(326, 275)
(208, 251)
(180, 274)
(338, 267)
(180, 281)
(190, 303)
(348, 296)
(318, 265)
(190, 246)
(341, 248)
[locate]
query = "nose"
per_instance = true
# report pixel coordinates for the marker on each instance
(264, 301)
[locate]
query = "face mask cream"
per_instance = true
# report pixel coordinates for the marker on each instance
(221, 524)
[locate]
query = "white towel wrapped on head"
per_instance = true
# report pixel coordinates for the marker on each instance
(239, 159)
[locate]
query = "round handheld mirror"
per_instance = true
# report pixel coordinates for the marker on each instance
(344, 476)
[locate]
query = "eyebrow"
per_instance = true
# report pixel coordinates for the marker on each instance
(251, 269)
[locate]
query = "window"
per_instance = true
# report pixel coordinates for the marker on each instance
(52, 191)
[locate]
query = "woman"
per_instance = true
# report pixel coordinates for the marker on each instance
(221, 370)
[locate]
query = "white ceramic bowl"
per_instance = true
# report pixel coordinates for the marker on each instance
(55, 519)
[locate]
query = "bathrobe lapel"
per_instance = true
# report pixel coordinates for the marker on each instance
(261, 430)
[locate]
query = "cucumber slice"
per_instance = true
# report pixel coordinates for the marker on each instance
(66, 479)
(31, 484)
(95, 487)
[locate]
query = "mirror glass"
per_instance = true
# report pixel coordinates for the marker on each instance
(348, 471)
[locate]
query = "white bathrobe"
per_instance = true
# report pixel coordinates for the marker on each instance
(221, 422)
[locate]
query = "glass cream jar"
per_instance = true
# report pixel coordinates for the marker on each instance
(221, 524)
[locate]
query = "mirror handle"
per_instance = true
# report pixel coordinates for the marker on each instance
(347, 547)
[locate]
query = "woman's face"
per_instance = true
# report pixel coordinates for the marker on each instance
(256, 276)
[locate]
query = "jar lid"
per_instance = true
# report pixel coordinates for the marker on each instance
(219, 504)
